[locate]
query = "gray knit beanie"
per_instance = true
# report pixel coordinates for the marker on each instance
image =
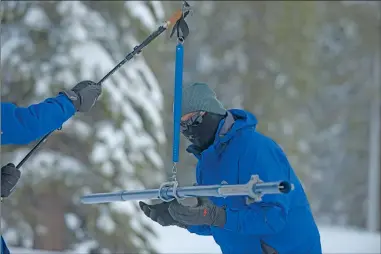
(199, 97)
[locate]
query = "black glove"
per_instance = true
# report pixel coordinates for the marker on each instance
(205, 213)
(159, 213)
(10, 175)
(84, 95)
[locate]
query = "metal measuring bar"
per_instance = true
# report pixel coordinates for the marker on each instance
(254, 189)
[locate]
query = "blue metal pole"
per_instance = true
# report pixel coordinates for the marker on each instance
(253, 189)
(177, 101)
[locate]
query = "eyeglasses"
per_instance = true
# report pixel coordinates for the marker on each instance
(194, 120)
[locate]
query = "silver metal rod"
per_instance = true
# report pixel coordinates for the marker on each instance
(253, 189)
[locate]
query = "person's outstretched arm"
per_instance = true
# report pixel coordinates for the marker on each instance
(22, 125)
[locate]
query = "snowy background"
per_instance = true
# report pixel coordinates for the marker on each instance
(310, 72)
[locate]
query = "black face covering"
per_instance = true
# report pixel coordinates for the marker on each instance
(202, 134)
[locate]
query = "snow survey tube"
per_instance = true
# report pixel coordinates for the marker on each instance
(254, 190)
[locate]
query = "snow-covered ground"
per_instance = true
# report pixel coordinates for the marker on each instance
(334, 240)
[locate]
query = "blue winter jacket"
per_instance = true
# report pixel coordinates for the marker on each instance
(279, 224)
(21, 126)
(4, 248)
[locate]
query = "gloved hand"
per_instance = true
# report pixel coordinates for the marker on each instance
(10, 175)
(84, 95)
(205, 213)
(159, 213)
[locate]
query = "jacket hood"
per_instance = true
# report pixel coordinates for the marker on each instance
(243, 120)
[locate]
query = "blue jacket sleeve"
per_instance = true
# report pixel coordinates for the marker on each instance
(21, 125)
(4, 248)
(200, 230)
(262, 157)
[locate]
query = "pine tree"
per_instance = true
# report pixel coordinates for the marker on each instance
(50, 46)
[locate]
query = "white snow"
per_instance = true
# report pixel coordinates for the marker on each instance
(36, 17)
(106, 223)
(79, 128)
(123, 207)
(72, 220)
(303, 146)
(334, 240)
(155, 158)
(45, 161)
(31, 251)
(158, 9)
(348, 240)
(10, 235)
(141, 11)
(41, 86)
(133, 87)
(206, 62)
(288, 127)
(84, 247)
(8, 47)
(176, 240)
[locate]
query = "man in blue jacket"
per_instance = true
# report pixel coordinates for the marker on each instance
(230, 150)
(22, 125)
